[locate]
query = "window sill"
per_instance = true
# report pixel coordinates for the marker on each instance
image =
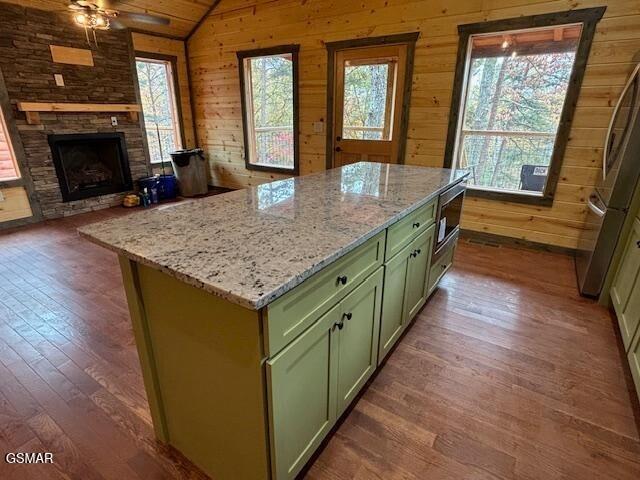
(269, 168)
(12, 182)
(540, 200)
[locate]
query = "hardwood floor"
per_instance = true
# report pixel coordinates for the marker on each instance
(506, 373)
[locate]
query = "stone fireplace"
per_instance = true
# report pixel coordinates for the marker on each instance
(68, 175)
(92, 164)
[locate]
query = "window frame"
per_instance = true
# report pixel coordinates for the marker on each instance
(20, 160)
(587, 18)
(293, 50)
(171, 61)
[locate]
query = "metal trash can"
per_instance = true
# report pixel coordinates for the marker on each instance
(190, 168)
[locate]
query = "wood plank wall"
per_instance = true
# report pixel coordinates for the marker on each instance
(176, 48)
(14, 204)
(246, 24)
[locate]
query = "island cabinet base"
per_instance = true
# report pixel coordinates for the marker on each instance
(203, 367)
(251, 394)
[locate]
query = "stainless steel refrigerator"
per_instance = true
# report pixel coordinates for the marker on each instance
(609, 202)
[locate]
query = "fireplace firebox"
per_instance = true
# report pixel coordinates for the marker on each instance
(89, 165)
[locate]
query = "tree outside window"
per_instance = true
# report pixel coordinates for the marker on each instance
(517, 83)
(155, 80)
(269, 103)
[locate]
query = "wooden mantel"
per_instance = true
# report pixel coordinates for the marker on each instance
(33, 109)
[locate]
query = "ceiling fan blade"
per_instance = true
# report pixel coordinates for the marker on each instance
(144, 18)
(115, 24)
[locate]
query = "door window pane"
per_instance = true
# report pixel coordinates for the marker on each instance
(367, 101)
(159, 108)
(269, 104)
(516, 88)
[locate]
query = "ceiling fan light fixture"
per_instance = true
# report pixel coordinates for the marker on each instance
(81, 19)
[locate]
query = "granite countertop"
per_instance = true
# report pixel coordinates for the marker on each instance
(251, 246)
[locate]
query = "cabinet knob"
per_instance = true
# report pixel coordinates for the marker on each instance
(412, 254)
(416, 225)
(348, 315)
(339, 325)
(342, 279)
(418, 251)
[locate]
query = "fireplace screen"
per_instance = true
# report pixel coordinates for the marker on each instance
(89, 165)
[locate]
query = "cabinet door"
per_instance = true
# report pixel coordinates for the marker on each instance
(625, 292)
(417, 273)
(393, 314)
(359, 335)
(634, 361)
(302, 395)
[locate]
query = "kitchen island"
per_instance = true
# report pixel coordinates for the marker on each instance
(261, 313)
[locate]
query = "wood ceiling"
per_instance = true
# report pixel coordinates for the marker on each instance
(183, 14)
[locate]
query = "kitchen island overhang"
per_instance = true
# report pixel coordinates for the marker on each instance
(259, 314)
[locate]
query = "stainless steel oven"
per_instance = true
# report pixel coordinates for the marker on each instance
(448, 217)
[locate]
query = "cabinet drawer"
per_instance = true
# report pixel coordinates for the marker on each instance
(288, 316)
(409, 227)
(441, 264)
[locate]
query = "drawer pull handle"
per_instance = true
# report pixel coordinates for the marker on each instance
(339, 325)
(416, 225)
(342, 279)
(348, 315)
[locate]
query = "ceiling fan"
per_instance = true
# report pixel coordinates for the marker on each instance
(102, 16)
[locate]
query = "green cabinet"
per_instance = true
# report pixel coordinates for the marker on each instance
(313, 380)
(301, 381)
(405, 289)
(392, 320)
(417, 273)
(634, 361)
(625, 291)
(359, 330)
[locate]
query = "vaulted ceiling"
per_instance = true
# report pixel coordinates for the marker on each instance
(184, 15)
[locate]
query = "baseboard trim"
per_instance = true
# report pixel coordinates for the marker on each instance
(492, 239)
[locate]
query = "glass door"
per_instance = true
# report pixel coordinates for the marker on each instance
(368, 103)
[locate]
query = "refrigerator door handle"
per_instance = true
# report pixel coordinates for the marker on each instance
(594, 208)
(609, 141)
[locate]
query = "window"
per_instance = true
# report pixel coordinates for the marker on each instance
(368, 100)
(269, 88)
(159, 107)
(8, 166)
(516, 90)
